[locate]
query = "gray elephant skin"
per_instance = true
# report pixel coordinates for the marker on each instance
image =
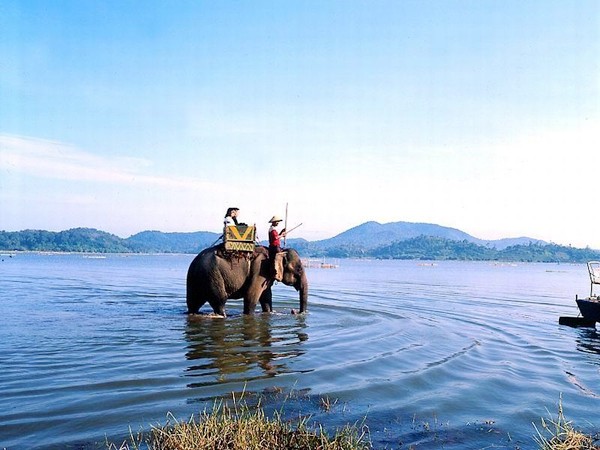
(214, 279)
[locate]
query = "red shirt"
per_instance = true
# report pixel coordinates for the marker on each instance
(274, 240)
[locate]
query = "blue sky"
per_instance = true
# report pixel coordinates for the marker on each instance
(127, 116)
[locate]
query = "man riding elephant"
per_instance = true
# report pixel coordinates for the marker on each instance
(275, 247)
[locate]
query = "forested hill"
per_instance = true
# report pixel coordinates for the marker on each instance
(369, 240)
(374, 234)
(95, 241)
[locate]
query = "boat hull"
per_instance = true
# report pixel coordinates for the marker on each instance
(589, 308)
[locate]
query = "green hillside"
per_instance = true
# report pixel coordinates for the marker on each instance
(427, 247)
(90, 240)
(73, 240)
(370, 240)
(158, 242)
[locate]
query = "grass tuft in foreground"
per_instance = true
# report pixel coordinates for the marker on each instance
(559, 434)
(238, 427)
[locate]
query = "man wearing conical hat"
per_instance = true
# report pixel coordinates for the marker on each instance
(275, 242)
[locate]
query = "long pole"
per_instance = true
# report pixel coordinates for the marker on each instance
(285, 223)
(289, 231)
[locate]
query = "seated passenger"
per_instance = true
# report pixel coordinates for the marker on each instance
(231, 217)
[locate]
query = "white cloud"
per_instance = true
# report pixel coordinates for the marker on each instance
(55, 160)
(51, 185)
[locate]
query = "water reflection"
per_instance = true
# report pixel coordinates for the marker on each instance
(242, 348)
(588, 341)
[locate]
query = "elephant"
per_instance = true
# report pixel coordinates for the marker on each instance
(212, 277)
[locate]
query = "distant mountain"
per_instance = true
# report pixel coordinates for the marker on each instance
(436, 248)
(371, 235)
(396, 240)
(73, 240)
(96, 241)
(501, 244)
(374, 234)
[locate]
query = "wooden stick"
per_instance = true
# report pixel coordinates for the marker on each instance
(285, 223)
(293, 228)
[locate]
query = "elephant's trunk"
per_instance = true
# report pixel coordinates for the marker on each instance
(303, 293)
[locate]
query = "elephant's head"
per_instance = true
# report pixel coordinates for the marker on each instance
(294, 275)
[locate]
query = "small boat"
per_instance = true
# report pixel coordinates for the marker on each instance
(589, 307)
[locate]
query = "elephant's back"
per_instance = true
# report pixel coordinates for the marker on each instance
(202, 262)
(261, 250)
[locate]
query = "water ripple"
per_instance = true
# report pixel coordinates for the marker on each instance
(89, 347)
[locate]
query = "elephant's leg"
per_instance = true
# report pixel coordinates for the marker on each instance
(194, 299)
(255, 293)
(218, 307)
(266, 300)
(250, 305)
(218, 295)
(194, 305)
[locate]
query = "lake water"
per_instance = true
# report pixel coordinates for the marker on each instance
(441, 355)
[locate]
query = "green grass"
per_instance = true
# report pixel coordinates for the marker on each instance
(559, 434)
(239, 427)
(234, 425)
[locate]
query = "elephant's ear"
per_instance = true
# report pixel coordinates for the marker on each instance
(282, 259)
(291, 256)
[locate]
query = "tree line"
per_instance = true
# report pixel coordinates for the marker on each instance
(420, 248)
(437, 248)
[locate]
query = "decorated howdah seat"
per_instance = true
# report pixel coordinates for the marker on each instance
(240, 238)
